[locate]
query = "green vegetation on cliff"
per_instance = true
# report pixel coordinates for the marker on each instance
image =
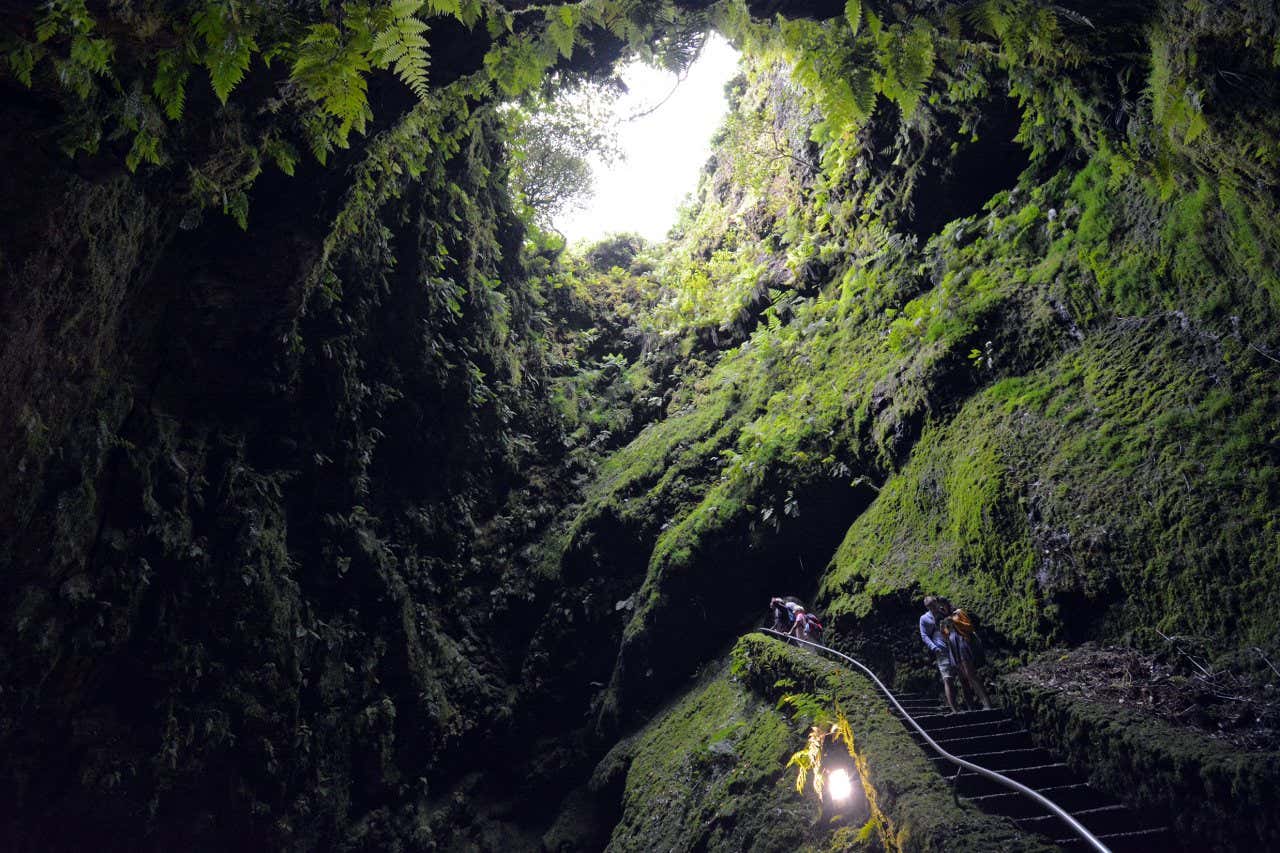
(326, 518)
(1057, 407)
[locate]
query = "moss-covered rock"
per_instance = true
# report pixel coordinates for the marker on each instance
(1052, 409)
(1128, 483)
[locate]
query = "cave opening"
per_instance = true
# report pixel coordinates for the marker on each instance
(350, 504)
(661, 122)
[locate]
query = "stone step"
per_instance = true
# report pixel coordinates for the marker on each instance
(1033, 776)
(920, 707)
(944, 718)
(971, 728)
(1077, 795)
(999, 760)
(1137, 841)
(1099, 820)
(968, 743)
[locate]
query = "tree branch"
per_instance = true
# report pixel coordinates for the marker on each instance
(680, 78)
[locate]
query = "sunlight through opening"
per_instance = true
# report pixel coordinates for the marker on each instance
(664, 151)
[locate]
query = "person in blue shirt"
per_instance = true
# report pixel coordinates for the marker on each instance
(784, 613)
(935, 610)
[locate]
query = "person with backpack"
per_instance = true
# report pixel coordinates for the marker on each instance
(807, 627)
(964, 648)
(784, 613)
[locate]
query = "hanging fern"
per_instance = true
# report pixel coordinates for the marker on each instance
(331, 71)
(139, 116)
(228, 46)
(992, 17)
(808, 761)
(93, 54)
(401, 44)
(63, 16)
(907, 57)
(516, 67)
(444, 7)
(22, 59)
(170, 85)
(329, 48)
(89, 56)
(561, 23)
(853, 14)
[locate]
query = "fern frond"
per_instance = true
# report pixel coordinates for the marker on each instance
(236, 205)
(517, 67)
(989, 17)
(853, 14)
(842, 729)
(862, 89)
(47, 27)
(227, 50)
(331, 73)
(22, 61)
(170, 85)
(145, 149)
(800, 779)
(560, 30)
(444, 7)
(93, 54)
(63, 16)
(405, 8)
(908, 61)
(284, 155)
(402, 46)
(321, 135)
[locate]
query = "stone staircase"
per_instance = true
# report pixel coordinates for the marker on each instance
(992, 739)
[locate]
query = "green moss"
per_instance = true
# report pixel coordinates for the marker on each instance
(1137, 464)
(709, 772)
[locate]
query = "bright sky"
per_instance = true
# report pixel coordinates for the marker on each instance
(664, 151)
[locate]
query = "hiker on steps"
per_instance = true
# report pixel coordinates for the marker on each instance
(958, 634)
(807, 627)
(935, 610)
(784, 613)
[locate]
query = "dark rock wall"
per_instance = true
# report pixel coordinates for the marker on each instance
(245, 468)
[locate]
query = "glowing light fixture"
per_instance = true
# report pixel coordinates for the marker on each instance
(839, 785)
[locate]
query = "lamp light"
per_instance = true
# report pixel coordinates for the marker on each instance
(839, 785)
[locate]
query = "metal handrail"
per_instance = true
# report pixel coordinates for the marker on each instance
(998, 778)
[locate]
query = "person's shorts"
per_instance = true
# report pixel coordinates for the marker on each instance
(945, 666)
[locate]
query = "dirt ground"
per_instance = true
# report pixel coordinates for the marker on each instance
(1235, 699)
